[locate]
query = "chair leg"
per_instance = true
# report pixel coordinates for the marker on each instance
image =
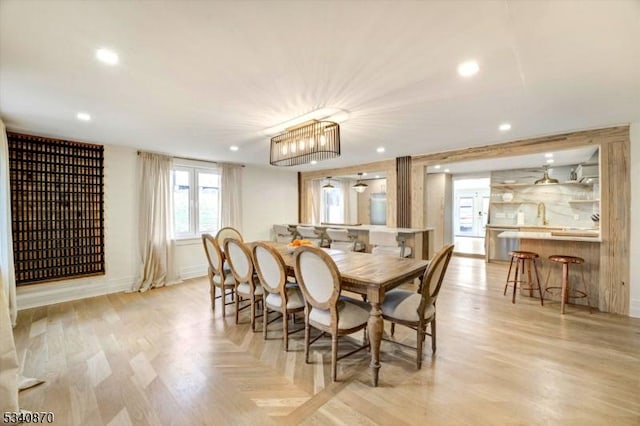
(307, 337)
(253, 314)
(285, 330)
(433, 335)
(212, 292)
(393, 328)
(334, 356)
(265, 314)
(237, 304)
(420, 340)
(223, 298)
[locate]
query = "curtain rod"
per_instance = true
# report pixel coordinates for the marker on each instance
(193, 159)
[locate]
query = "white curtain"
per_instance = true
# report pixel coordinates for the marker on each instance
(231, 195)
(7, 272)
(9, 367)
(314, 201)
(155, 222)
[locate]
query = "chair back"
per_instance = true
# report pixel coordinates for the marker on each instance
(383, 238)
(432, 280)
(283, 234)
(227, 232)
(213, 253)
(318, 277)
(270, 268)
(307, 232)
(341, 239)
(240, 261)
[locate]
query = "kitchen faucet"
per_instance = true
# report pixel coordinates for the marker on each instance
(542, 212)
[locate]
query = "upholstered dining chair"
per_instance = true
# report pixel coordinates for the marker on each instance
(416, 310)
(310, 233)
(319, 280)
(341, 239)
(283, 233)
(388, 243)
(228, 232)
(218, 276)
(247, 285)
(280, 295)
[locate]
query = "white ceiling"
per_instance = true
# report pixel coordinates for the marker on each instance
(196, 77)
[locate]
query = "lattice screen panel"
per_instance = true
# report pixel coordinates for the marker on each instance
(57, 208)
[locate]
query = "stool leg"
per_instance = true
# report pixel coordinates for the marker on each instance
(546, 282)
(506, 285)
(515, 282)
(586, 290)
(535, 266)
(530, 279)
(564, 291)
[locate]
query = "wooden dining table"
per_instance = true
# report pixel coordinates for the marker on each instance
(370, 275)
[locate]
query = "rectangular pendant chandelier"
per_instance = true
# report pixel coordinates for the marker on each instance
(310, 141)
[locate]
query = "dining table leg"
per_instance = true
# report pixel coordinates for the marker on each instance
(375, 327)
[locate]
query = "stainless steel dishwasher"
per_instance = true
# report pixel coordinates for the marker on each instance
(499, 248)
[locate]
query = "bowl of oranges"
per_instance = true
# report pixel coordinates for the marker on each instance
(298, 243)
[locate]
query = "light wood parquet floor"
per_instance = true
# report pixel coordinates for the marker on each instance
(164, 358)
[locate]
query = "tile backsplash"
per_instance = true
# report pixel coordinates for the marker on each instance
(567, 204)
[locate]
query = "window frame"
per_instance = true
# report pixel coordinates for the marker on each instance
(194, 199)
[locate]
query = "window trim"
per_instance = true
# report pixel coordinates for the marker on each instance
(194, 201)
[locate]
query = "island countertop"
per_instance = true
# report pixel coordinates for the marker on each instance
(579, 236)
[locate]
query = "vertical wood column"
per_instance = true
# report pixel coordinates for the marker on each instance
(403, 206)
(614, 227)
(300, 198)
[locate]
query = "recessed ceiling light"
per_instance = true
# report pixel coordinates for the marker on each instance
(233, 148)
(549, 154)
(380, 149)
(377, 177)
(469, 68)
(314, 162)
(447, 170)
(83, 116)
(550, 160)
(504, 127)
(364, 174)
(107, 56)
(437, 166)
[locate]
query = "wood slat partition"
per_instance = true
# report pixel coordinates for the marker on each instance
(403, 170)
(57, 209)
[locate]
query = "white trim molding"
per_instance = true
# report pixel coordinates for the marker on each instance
(35, 295)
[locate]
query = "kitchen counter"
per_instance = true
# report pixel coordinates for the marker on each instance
(550, 236)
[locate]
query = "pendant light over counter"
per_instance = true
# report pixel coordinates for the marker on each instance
(360, 187)
(328, 184)
(546, 180)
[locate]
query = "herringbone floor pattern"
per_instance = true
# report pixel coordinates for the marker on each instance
(164, 358)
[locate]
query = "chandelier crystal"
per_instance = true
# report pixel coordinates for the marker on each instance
(310, 141)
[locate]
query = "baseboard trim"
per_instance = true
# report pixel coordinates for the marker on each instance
(634, 308)
(36, 295)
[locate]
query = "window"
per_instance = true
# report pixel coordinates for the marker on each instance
(332, 205)
(196, 201)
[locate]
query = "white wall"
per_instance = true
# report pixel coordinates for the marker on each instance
(634, 254)
(269, 196)
(120, 239)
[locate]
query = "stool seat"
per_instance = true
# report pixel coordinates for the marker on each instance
(523, 254)
(565, 291)
(522, 259)
(566, 259)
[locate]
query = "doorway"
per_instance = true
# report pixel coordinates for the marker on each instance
(470, 213)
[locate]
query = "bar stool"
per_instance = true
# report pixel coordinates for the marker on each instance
(564, 290)
(522, 258)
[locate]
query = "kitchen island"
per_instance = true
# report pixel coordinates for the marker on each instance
(572, 242)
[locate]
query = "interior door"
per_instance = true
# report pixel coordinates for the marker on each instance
(471, 213)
